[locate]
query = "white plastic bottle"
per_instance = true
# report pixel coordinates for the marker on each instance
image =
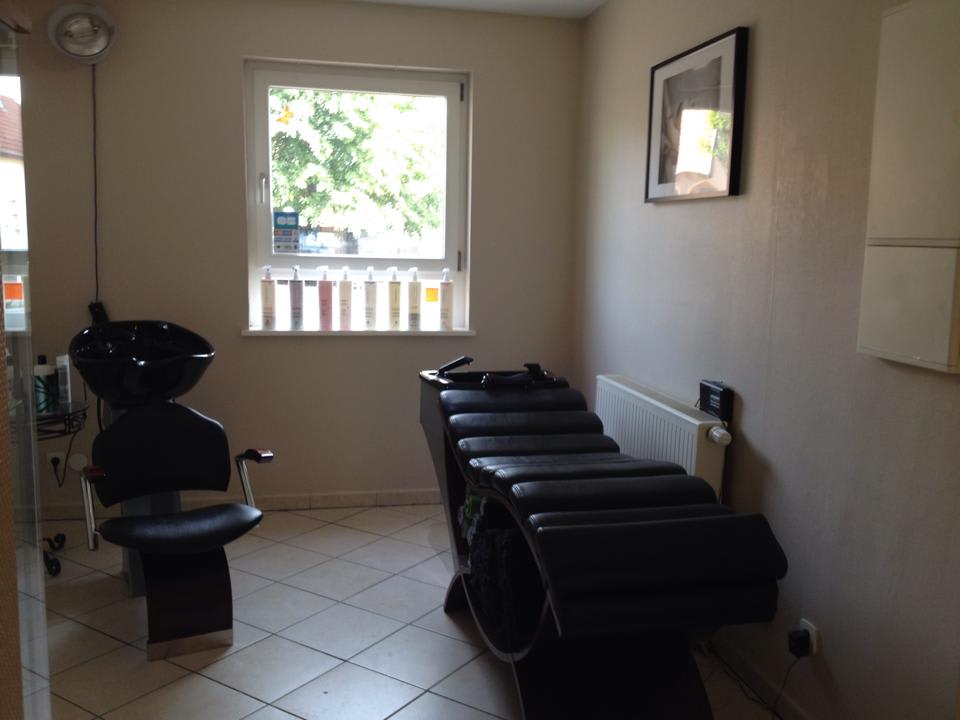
(393, 295)
(446, 301)
(345, 291)
(296, 300)
(413, 301)
(268, 300)
(370, 301)
(325, 291)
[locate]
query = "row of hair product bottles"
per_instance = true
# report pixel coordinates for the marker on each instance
(268, 300)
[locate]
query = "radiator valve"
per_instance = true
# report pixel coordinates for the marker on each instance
(720, 436)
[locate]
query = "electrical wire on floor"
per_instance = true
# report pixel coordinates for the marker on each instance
(748, 692)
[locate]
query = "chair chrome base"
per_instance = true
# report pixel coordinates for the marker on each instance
(187, 645)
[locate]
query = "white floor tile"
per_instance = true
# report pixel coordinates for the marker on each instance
(125, 620)
(242, 583)
(337, 579)
(68, 571)
(114, 679)
(243, 636)
(270, 668)
(458, 625)
(85, 593)
(330, 514)
(349, 693)
(486, 684)
(74, 532)
(45, 706)
(190, 698)
(433, 707)
(245, 545)
(270, 713)
(437, 570)
(382, 521)
(390, 555)
(333, 540)
(105, 556)
(278, 606)
(399, 598)
(430, 533)
(278, 561)
(70, 643)
(417, 656)
(284, 525)
(342, 630)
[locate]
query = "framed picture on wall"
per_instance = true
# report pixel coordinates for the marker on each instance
(695, 129)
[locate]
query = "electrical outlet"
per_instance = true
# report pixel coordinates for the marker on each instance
(805, 624)
(78, 461)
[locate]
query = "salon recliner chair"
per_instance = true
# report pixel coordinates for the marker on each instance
(161, 448)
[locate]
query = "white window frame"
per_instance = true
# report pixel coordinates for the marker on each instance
(261, 75)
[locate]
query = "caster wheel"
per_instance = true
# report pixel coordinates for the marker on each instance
(57, 542)
(53, 565)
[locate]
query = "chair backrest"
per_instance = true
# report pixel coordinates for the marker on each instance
(160, 448)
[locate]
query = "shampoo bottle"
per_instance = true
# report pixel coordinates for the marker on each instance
(296, 300)
(345, 290)
(446, 301)
(325, 291)
(413, 301)
(370, 301)
(394, 297)
(268, 300)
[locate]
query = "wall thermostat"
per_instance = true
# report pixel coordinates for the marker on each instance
(716, 399)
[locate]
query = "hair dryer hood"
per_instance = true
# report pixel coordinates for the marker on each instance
(140, 361)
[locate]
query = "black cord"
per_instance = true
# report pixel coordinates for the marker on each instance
(96, 200)
(783, 686)
(61, 479)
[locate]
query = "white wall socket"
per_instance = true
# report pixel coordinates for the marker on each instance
(805, 624)
(78, 461)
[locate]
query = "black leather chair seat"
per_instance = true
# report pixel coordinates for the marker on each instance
(182, 533)
(481, 470)
(523, 423)
(610, 493)
(504, 478)
(508, 445)
(455, 402)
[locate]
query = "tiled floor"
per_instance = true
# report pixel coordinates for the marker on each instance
(337, 617)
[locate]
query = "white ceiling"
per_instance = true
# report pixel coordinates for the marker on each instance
(554, 8)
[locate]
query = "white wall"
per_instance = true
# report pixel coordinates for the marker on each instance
(341, 413)
(854, 460)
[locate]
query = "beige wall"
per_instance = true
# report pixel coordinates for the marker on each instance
(854, 460)
(341, 413)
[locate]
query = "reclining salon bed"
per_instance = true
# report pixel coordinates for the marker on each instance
(588, 570)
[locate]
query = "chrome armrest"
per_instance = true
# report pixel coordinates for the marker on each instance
(87, 478)
(259, 456)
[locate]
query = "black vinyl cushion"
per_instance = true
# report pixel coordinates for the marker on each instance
(504, 478)
(509, 445)
(454, 402)
(182, 533)
(523, 423)
(611, 493)
(160, 448)
(625, 515)
(481, 470)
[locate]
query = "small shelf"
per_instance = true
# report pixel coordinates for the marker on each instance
(357, 333)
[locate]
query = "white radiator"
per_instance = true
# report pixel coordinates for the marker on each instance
(653, 426)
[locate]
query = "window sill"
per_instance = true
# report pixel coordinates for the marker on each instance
(358, 333)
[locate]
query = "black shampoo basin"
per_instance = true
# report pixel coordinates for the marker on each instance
(140, 361)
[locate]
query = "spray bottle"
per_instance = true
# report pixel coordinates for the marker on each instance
(413, 301)
(268, 300)
(325, 291)
(370, 301)
(345, 290)
(446, 301)
(393, 295)
(296, 300)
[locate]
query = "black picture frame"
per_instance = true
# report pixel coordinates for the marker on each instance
(705, 89)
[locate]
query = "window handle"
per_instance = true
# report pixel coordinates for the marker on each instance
(263, 188)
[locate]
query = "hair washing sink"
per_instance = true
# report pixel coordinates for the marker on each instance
(141, 361)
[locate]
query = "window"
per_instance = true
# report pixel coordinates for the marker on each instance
(357, 167)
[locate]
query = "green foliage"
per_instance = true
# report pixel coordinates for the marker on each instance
(720, 121)
(358, 161)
